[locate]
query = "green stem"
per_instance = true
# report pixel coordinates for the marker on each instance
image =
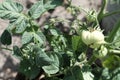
(86, 12)
(113, 32)
(69, 2)
(91, 60)
(55, 75)
(101, 13)
(33, 30)
(109, 14)
(6, 48)
(114, 51)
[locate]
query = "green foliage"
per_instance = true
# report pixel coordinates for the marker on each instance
(31, 70)
(39, 37)
(114, 32)
(12, 11)
(88, 76)
(75, 42)
(27, 37)
(54, 67)
(6, 38)
(114, 36)
(17, 51)
(111, 74)
(74, 73)
(112, 60)
(56, 54)
(52, 78)
(40, 7)
(41, 58)
(21, 24)
(54, 32)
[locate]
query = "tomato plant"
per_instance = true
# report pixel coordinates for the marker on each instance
(68, 55)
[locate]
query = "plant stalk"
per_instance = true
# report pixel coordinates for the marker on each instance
(114, 51)
(6, 48)
(91, 60)
(101, 13)
(113, 32)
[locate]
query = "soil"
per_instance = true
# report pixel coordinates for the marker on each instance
(8, 63)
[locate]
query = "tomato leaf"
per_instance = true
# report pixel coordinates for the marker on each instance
(53, 67)
(6, 38)
(27, 37)
(39, 8)
(111, 74)
(75, 42)
(41, 58)
(39, 36)
(74, 74)
(17, 52)
(111, 62)
(30, 70)
(10, 10)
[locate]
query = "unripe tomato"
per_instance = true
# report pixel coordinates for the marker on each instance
(102, 52)
(86, 37)
(93, 38)
(97, 44)
(97, 36)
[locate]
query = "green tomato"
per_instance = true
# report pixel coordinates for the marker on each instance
(97, 36)
(86, 38)
(93, 38)
(97, 44)
(102, 52)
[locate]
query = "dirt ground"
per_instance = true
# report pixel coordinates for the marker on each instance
(9, 63)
